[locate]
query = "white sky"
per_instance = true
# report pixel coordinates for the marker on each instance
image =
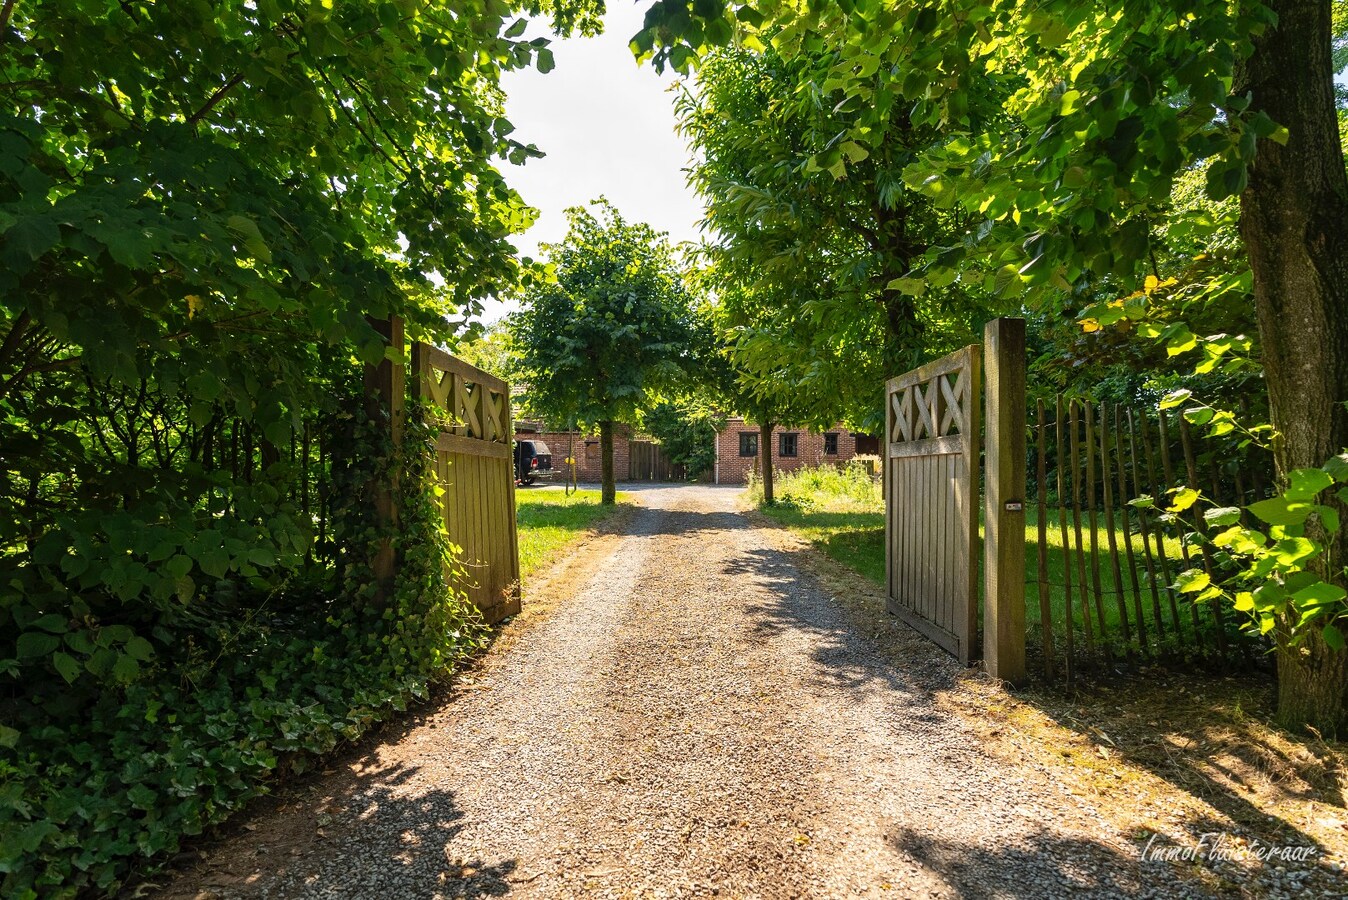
(607, 127)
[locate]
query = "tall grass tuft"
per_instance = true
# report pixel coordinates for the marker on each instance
(826, 488)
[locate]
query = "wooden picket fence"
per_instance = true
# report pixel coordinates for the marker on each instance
(1106, 594)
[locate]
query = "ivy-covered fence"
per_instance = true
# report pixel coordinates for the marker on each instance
(189, 605)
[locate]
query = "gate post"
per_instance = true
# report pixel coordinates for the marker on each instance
(1004, 522)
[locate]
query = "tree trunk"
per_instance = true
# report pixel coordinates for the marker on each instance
(1294, 220)
(765, 460)
(607, 489)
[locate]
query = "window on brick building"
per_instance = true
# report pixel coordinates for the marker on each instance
(748, 443)
(831, 444)
(790, 444)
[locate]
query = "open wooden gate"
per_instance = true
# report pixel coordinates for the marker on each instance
(475, 466)
(931, 496)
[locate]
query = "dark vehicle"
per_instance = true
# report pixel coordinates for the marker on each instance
(532, 459)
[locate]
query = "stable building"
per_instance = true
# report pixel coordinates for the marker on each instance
(737, 449)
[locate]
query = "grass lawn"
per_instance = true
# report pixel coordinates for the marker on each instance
(549, 521)
(843, 517)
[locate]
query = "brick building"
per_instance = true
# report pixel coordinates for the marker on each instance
(586, 449)
(792, 448)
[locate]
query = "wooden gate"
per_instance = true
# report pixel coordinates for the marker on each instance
(475, 466)
(646, 461)
(931, 497)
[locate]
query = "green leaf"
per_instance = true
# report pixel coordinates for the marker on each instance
(125, 669)
(1221, 516)
(1334, 638)
(30, 238)
(56, 624)
(1319, 594)
(1175, 398)
(252, 236)
(32, 644)
(67, 666)
(9, 737)
(1192, 581)
(1198, 415)
(1280, 511)
(1337, 468)
(1306, 484)
(1183, 498)
(913, 287)
(1293, 551)
(140, 649)
(142, 797)
(178, 567)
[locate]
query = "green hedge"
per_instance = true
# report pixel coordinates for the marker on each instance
(105, 772)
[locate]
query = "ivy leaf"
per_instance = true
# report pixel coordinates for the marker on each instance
(142, 796)
(1221, 516)
(1334, 638)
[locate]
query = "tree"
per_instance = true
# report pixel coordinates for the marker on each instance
(1106, 106)
(614, 328)
(493, 351)
(820, 231)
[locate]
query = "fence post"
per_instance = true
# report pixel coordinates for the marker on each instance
(1004, 535)
(385, 387)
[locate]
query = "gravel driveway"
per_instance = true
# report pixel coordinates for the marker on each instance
(693, 718)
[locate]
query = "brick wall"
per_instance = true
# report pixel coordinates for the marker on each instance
(734, 469)
(588, 461)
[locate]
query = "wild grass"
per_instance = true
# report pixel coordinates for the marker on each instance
(549, 522)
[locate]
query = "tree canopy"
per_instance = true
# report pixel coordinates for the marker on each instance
(809, 247)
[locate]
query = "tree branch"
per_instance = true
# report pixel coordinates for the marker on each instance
(214, 99)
